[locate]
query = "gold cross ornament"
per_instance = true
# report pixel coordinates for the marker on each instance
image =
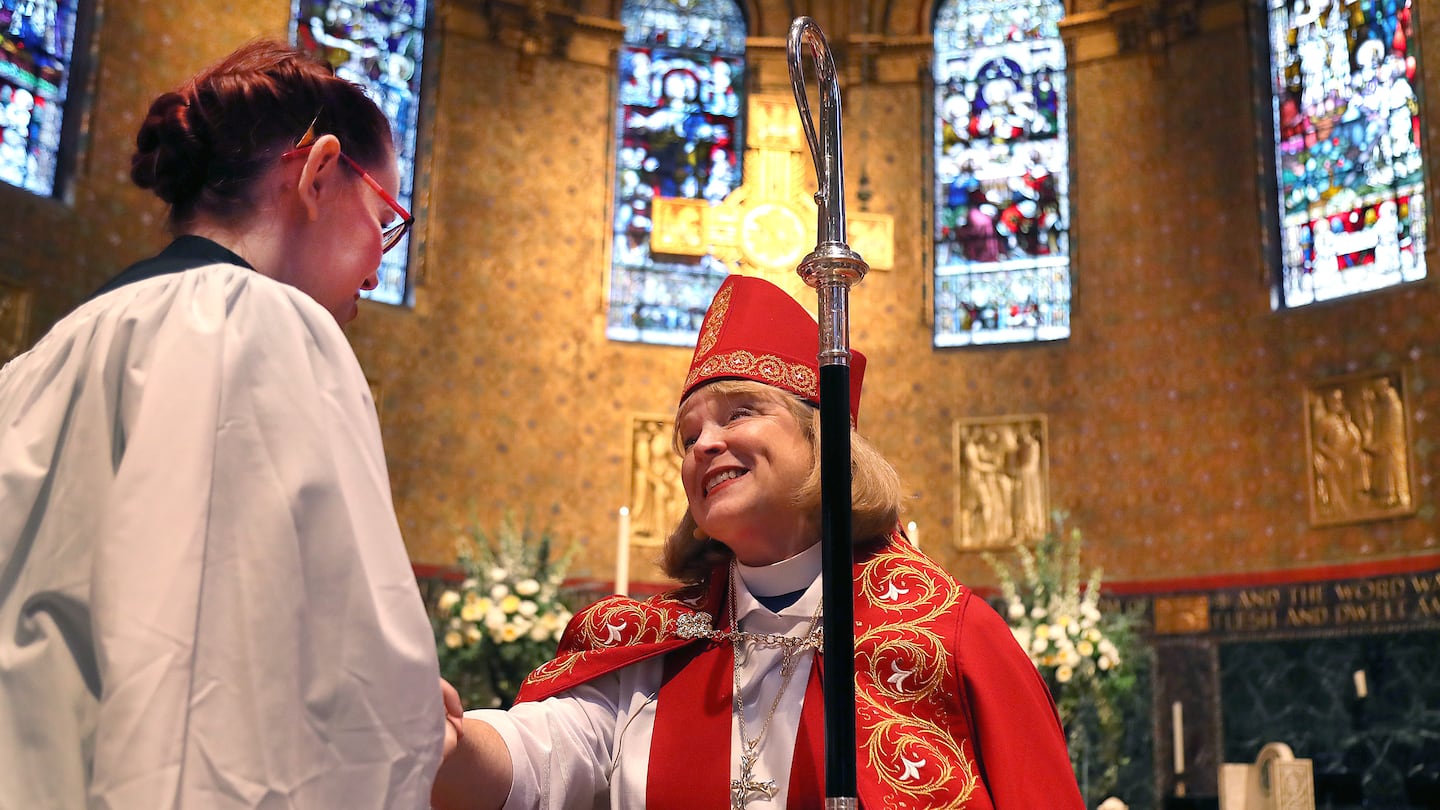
(766, 226)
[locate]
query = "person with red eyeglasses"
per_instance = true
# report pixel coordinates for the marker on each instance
(205, 600)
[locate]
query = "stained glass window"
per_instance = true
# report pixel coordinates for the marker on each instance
(1349, 174)
(37, 39)
(1002, 209)
(378, 44)
(680, 132)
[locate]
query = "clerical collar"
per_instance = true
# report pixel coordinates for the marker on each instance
(786, 576)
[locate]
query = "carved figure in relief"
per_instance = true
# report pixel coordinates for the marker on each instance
(1002, 492)
(1002, 484)
(1385, 445)
(1322, 488)
(979, 500)
(1338, 453)
(658, 495)
(669, 489)
(1029, 488)
(640, 479)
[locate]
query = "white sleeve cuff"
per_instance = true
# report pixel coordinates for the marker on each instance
(524, 792)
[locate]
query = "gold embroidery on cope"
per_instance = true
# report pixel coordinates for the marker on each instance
(555, 668)
(607, 625)
(904, 676)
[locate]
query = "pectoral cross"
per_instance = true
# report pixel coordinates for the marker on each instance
(742, 788)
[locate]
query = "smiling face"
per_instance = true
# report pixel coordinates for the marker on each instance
(744, 456)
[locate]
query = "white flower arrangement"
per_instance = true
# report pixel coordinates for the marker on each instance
(506, 617)
(1056, 621)
(1078, 649)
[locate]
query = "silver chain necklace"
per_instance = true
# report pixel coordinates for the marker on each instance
(700, 625)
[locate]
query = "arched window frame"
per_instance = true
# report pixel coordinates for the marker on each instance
(662, 299)
(403, 26)
(70, 42)
(1001, 269)
(1356, 252)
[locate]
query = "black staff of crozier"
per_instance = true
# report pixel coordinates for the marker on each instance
(832, 268)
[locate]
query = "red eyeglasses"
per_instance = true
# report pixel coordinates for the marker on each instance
(391, 234)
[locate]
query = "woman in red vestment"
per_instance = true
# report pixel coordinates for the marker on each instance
(710, 696)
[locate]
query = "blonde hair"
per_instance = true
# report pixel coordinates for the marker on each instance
(876, 495)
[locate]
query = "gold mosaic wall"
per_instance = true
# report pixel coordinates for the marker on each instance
(63, 251)
(501, 391)
(1175, 414)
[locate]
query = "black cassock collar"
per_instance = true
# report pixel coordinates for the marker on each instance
(185, 253)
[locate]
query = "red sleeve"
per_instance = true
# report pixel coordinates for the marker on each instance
(1018, 741)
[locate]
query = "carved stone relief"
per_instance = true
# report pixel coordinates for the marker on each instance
(657, 496)
(1357, 446)
(1002, 492)
(14, 318)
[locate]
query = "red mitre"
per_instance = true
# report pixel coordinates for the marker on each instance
(755, 331)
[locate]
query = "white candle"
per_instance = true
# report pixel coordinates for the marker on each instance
(1361, 687)
(1177, 722)
(622, 554)
(914, 534)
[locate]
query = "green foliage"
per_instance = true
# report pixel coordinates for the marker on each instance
(1081, 652)
(507, 616)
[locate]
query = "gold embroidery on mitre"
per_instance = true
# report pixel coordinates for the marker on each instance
(795, 377)
(718, 309)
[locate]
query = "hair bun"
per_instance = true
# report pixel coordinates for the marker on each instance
(172, 151)
(204, 147)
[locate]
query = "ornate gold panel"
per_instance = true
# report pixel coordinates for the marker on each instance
(1357, 448)
(873, 237)
(679, 227)
(775, 124)
(1182, 614)
(15, 301)
(1002, 491)
(657, 496)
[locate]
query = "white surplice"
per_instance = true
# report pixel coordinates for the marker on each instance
(205, 601)
(589, 747)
